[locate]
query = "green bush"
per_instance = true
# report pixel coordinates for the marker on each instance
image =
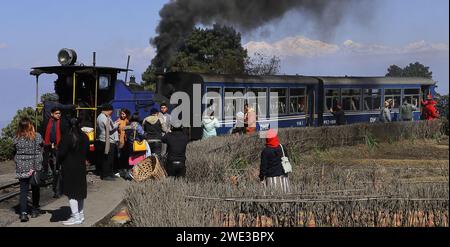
(6, 149)
(371, 141)
(9, 131)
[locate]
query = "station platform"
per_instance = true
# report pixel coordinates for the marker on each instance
(103, 198)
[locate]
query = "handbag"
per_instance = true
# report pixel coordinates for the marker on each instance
(38, 178)
(138, 146)
(287, 167)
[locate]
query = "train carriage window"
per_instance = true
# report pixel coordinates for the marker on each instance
(278, 100)
(103, 82)
(234, 102)
(351, 99)
(257, 99)
(331, 99)
(297, 100)
(213, 97)
(412, 95)
(395, 95)
(372, 100)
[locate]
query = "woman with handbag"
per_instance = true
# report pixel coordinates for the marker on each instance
(123, 150)
(135, 136)
(72, 154)
(273, 173)
(28, 158)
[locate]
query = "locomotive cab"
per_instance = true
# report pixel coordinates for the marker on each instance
(89, 87)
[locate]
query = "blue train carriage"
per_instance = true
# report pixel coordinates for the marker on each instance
(294, 105)
(89, 87)
(362, 98)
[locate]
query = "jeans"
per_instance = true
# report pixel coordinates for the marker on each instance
(24, 185)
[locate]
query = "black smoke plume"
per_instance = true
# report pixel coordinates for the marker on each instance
(179, 17)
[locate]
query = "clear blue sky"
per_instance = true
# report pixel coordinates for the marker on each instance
(32, 32)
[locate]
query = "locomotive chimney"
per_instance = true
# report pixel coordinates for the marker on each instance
(132, 80)
(159, 83)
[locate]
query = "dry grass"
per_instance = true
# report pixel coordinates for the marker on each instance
(218, 159)
(177, 203)
(339, 179)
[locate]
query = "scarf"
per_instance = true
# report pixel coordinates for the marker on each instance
(122, 124)
(49, 129)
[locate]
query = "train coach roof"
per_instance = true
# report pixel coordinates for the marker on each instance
(328, 80)
(258, 79)
(73, 69)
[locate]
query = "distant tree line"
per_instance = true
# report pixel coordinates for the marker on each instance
(215, 50)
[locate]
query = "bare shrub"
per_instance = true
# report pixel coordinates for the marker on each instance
(186, 204)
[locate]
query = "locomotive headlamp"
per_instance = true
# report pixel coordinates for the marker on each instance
(67, 57)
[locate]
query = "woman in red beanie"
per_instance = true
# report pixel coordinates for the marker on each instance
(271, 171)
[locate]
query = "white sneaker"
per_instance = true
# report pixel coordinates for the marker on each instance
(73, 221)
(81, 216)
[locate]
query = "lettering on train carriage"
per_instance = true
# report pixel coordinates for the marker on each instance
(301, 123)
(329, 122)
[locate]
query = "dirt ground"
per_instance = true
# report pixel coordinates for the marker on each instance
(405, 161)
(7, 170)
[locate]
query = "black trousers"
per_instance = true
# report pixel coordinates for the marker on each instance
(105, 162)
(124, 154)
(176, 168)
(49, 161)
(36, 194)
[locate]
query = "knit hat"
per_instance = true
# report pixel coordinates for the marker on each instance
(272, 139)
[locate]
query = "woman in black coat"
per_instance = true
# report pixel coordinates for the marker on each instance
(271, 171)
(72, 153)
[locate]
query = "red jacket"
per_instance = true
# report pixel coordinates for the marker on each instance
(429, 110)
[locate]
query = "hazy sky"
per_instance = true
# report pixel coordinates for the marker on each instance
(393, 32)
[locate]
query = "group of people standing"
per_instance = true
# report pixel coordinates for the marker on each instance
(61, 149)
(245, 123)
(406, 111)
(114, 144)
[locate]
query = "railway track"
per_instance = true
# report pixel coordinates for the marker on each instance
(9, 190)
